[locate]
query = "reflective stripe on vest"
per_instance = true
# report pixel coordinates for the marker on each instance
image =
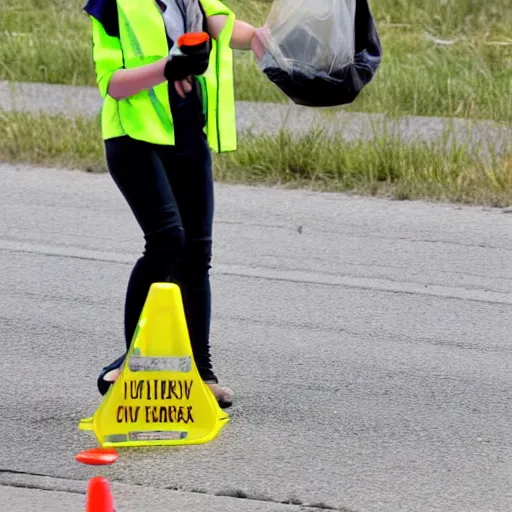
(136, 49)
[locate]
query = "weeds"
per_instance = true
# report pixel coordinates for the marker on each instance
(447, 169)
(450, 58)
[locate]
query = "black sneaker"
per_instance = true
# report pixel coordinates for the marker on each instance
(104, 385)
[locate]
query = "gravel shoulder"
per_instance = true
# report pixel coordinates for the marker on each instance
(264, 118)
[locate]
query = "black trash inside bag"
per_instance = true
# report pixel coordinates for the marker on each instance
(320, 53)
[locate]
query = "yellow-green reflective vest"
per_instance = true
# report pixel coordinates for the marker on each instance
(147, 115)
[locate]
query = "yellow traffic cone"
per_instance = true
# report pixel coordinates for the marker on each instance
(159, 398)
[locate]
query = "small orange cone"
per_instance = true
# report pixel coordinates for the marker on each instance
(99, 497)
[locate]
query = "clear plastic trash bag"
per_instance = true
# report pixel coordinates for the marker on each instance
(320, 53)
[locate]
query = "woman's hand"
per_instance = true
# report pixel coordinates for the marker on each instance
(258, 43)
(183, 87)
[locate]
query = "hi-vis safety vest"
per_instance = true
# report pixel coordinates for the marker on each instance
(147, 115)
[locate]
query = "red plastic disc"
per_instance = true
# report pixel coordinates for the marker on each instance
(98, 456)
(193, 39)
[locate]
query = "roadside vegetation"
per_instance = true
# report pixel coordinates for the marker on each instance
(442, 58)
(449, 58)
(386, 166)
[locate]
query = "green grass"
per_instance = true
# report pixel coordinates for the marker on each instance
(387, 166)
(448, 58)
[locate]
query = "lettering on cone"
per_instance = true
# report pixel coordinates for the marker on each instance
(157, 390)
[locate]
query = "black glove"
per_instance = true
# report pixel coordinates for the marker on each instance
(186, 60)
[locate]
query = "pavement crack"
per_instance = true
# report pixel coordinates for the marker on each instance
(366, 287)
(19, 485)
(292, 501)
(473, 294)
(37, 486)
(74, 486)
(25, 473)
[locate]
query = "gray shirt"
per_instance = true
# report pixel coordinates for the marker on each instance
(181, 16)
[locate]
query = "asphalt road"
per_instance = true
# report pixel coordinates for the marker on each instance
(368, 342)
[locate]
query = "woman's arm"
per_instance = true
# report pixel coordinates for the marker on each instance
(128, 82)
(121, 83)
(112, 78)
(243, 32)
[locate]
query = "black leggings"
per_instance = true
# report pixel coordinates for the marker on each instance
(170, 191)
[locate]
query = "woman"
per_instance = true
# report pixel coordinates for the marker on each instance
(163, 112)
